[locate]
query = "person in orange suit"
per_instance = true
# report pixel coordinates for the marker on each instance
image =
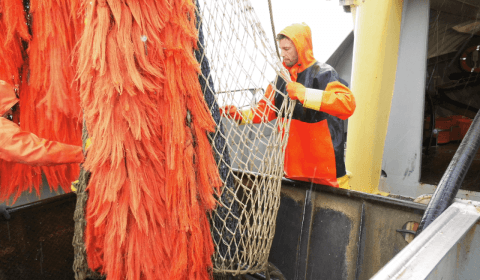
(316, 144)
(24, 147)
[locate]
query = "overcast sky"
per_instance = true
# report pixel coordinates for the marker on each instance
(329, 23)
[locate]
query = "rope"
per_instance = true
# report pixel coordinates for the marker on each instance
(80, 266)
(273, 27)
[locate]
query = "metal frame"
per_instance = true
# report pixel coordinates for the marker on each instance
(429, 256)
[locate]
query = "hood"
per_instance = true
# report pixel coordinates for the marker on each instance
(301, 36)
(7, 97)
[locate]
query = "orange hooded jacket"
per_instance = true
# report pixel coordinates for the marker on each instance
(315, 149)
(24, 147)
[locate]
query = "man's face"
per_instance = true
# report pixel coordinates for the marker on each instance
(289, 52)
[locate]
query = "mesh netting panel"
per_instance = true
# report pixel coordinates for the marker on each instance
(238, 63)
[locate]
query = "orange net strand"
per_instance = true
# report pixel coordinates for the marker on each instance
(153, 174)
(48, 93)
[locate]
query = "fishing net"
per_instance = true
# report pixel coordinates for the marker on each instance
(238, 63)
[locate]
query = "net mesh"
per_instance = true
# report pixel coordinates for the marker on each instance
(237, 63)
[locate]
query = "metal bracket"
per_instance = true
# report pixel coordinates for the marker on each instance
(407, 231)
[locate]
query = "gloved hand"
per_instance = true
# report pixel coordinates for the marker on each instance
(296, 91)
(88, 143)
(74, 186)
(231, 112)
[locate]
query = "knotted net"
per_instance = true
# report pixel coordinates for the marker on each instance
(238, 63)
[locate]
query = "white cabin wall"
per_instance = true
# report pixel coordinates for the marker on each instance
(403, 144)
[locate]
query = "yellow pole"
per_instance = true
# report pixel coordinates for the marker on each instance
(375, 53)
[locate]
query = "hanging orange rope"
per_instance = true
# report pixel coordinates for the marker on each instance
(49, 97)
(153, 172)
(12, 31)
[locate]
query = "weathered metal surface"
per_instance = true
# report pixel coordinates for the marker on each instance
(447, 249)
(287, 241)
(382, 241)
(328, 233)
(322, 233)
(361, 243)
(36, 243)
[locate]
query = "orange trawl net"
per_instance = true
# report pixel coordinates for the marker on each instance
(12, 31)
(49, 100)
(153, 173)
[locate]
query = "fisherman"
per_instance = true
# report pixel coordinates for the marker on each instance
(24, 147)
(315, 148)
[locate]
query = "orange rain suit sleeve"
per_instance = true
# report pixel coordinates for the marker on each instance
(264, 111)
(336, 100)
(24, 147)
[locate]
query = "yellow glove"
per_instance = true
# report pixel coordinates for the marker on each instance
(88, 143)
(73, 187)
(296, 91)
